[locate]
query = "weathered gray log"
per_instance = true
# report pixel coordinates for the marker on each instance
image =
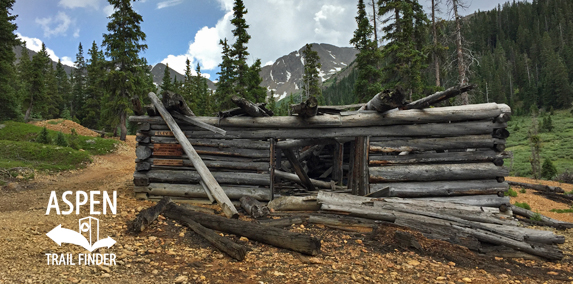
(541, 220)
(143, 139)
(253, 207)
(302, 143)
(144, 127)
(361, 211)
(385, 101)
(308, 108)
(338, 163)
(439, 96)
(218, 143)
(172, 149)
(397, 173)
(283, 222)
(269, 235)
(430, 115)
(225, 245)
(295, 178)
(504, 117)
(500, 133)
(547, 252)
(528, 235)
(538, 187)
(437, 188)
(473, 200)
(174, 102)
(206, 176)
(294, 203)
(194, 121)
(140, 179)
(305, 180)
(159, 163)
(143, 152)
(342, 222)
(385, 145)
(250, 108)
(186, 177)
(147, 216)
(196, 191)
(143, 166)
(338, 109)
(431, 129)
(448, 157)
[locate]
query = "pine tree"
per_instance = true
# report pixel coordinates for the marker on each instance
(64, 88)
(166, 84)
(368, 59)
(272, 103)
(188, 91)
(256, 92)
(405, 51)
(94, 87)
(239, 52)
(37, 93)
(122, 45)
(225, 88)
(548, 170)
(9, 99)
(78, 84)
(51, 108)
(311, 80)
(201, 93)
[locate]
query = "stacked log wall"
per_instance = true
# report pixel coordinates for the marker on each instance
(461, 163)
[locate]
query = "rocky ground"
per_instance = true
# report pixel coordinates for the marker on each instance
(170, 253)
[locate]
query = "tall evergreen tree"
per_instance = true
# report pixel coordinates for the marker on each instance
(405, 50)
(78, 84)
(53, 97)
(166, 84)
(311, 80)
(64, 88)
(188, 90)
(122, 45)
(9, 100)
(37, 89)
(225, 88)
(96, 71)
(204, 104)
(256, 92)
(239, 52)
(368, 59)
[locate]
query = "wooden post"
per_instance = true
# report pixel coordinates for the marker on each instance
(298, 169)
(338, 162)
(272, 166)
(212, 184)
(351, 165)
(364, 187)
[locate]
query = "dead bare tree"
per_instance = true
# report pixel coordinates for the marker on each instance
(435, 9)
(462, 67)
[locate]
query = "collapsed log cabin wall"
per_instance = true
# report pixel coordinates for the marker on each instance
(432, 152)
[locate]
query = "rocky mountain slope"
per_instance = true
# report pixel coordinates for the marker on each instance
(159, 68)
(285, 75)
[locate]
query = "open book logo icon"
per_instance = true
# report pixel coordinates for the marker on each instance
(86, 225)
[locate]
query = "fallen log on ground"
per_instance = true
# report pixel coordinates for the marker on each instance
(253, 207)
(538, 187)
(225, 245)
(269, 235)
(147, 216)
(540, 219)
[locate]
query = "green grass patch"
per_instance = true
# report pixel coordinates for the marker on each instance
(536, 217)
(556, 145)
(523, 205)
(510, 192)
(23, 132)
(41, 157)
(570, 210)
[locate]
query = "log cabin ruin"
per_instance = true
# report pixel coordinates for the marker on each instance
(438, 170)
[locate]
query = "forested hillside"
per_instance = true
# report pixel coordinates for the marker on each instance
(520, 54)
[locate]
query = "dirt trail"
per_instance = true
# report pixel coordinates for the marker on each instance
(167, 252)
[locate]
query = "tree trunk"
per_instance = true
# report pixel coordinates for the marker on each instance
(29, 110)
(435, 35)
(459, 51)
(122, 126)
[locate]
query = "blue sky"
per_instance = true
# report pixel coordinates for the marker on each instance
(180, 29)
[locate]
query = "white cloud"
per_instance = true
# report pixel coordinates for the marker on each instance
(169, 3)
(62, 22)
(108, 10)
(77, 33)
(35, 44)
(277, 27)
(67, 61)
(79, 3)
(270, 62)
